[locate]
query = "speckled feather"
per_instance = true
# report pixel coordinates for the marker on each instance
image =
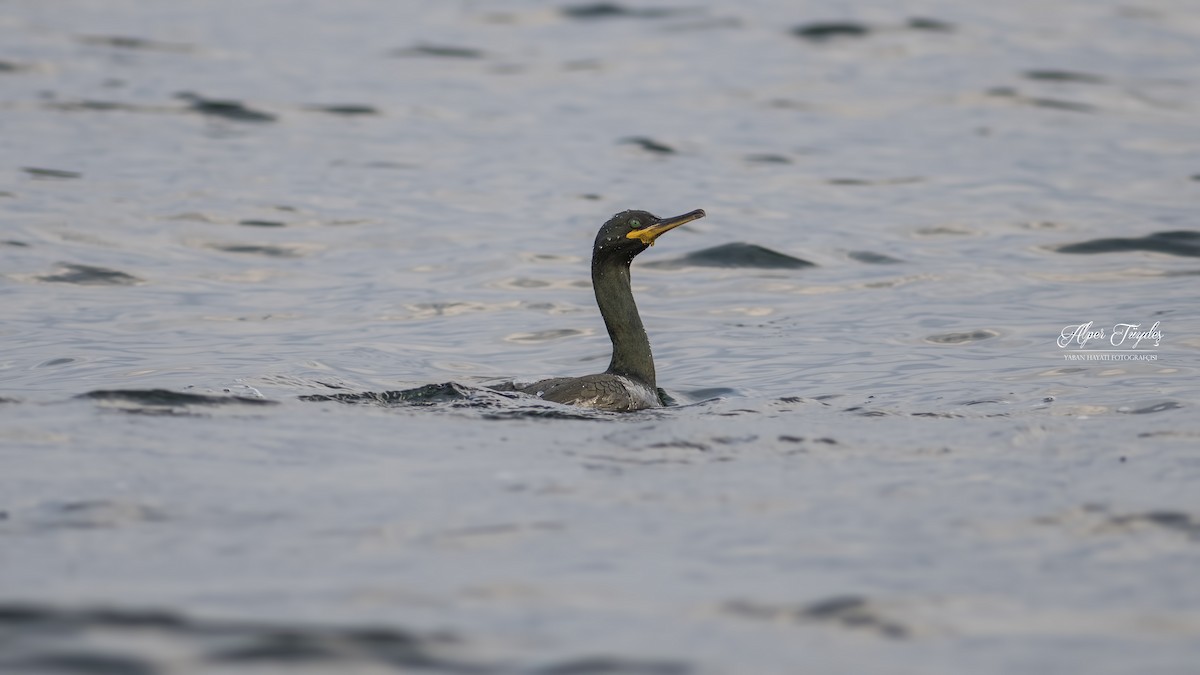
(604, 391)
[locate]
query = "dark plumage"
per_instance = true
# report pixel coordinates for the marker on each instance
(629, 382)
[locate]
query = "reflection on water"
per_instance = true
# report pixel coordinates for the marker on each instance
(1184, 243)
(45, 640)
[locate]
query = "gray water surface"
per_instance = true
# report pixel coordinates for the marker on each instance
(881, 461)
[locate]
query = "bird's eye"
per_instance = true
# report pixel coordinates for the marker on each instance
(635, 224)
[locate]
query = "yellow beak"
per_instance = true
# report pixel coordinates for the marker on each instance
(649, 234)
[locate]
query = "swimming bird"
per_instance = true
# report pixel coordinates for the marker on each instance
(629, 382)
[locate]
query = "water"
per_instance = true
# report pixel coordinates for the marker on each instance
(881, 461)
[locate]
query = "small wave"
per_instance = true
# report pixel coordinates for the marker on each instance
(734, 254)
(962, 338)
(440, 51)
(649, 145)
(851, 612)
(348, 109)
(225, 108)
(168, 398)
(59, 174)
(430, 394)
(611, 10)
(1052, 75)
(43, 638)
(872, 258)
(131, 42)
(1179, 242)
(89, 275)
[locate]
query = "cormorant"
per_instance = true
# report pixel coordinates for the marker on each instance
(629, 383)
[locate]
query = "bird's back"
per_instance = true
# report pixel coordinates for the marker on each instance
(603, 391)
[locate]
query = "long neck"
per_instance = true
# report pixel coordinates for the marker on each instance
(631, 355)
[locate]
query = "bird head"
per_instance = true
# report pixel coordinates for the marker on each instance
(630, 232)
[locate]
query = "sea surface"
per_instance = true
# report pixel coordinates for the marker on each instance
(915, 428)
